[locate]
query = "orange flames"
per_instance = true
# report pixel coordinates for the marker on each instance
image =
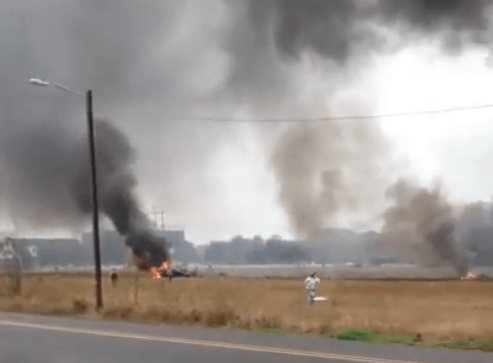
(156, 271)
(470, 276)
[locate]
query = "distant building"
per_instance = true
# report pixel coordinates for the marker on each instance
(179, 249)
(340, 245)
(216, 253)
(43, 252)
(37, 253)
(241, 250)
(112, 244)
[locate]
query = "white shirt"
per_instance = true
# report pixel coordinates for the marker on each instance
(310, 282)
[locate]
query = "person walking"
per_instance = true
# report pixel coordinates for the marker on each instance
(310, 286)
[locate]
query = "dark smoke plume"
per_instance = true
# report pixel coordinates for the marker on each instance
(324, 27)
(423, 220)
(450, 18)
(340, 29)
(116, 192)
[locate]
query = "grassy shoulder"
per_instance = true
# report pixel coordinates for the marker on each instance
(446, 314)
(226, 319)
(369, 336)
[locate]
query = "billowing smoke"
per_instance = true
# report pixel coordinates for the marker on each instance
(340, 29)
(422, 221)
(153, 62)
(116, 192)
(456, 21)
(329, 169)
(328, 28)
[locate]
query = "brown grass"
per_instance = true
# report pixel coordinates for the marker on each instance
(438, 310)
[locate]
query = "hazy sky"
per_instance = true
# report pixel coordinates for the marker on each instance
(454, 147)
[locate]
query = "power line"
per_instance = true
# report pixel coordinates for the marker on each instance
(343, 118)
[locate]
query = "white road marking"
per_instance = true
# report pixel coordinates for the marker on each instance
(203, 343)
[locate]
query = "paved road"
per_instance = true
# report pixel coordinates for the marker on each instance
(26, 339)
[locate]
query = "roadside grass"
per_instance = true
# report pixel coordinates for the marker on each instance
(369, 336)
(485, 346)
(453, 314)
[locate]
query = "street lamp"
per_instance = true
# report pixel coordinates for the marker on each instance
(94, 193)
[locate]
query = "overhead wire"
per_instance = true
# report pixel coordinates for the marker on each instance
(345, 118)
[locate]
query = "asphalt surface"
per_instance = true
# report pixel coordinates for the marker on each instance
(25, 338)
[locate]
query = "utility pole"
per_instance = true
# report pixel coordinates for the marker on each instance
(94, 195)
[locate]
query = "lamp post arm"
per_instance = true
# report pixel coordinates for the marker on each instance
(59, 86)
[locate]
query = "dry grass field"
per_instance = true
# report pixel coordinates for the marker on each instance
(457, 310)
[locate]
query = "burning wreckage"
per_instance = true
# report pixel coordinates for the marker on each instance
(149, 253)
(116, 183)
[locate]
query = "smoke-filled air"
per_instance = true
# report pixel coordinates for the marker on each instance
(155, 66)
(423, 221)
(326, 170)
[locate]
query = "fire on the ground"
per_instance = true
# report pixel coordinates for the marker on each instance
(470, 276)
(157, 272)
